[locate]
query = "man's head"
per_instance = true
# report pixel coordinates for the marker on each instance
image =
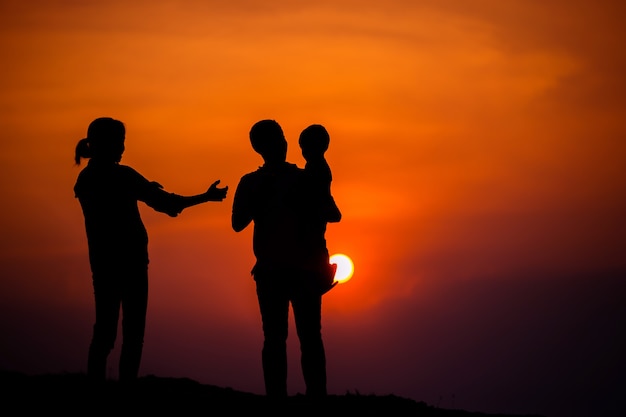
(267, 139)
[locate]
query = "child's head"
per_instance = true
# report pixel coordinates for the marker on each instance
(105, 141)
(268, 140)
(314, 141)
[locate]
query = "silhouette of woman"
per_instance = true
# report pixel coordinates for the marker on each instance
(117, 239)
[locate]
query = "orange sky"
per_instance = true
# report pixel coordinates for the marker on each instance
(478, 158)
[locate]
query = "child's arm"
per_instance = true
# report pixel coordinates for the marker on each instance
(332, 213)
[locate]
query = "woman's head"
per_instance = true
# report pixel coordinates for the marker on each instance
(104, 141)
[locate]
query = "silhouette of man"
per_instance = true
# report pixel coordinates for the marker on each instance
(108, 193)
(271, 199)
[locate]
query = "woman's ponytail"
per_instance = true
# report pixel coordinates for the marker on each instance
(83, 150)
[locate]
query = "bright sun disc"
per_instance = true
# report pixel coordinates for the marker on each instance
(345, 267)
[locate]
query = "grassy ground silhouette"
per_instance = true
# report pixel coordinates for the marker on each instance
(72, 394)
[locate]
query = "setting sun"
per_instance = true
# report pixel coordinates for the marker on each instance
(345, 267)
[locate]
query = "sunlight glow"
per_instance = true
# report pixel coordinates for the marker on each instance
(345, 267)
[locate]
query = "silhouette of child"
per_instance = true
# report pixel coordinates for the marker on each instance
(109, 193)
(320, 204)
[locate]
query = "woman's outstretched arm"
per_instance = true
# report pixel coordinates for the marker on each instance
(173, 204)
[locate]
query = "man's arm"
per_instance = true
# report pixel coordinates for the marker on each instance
(241, 215)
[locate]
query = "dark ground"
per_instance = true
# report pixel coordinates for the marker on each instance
(71, 394)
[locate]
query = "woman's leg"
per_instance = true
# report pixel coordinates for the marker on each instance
(107, 301)
(134, 310)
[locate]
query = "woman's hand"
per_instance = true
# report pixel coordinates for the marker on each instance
(214, 193)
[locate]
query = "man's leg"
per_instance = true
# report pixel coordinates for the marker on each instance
(307, 309)
(274, 307)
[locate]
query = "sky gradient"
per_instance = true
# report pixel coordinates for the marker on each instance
(478, 152)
